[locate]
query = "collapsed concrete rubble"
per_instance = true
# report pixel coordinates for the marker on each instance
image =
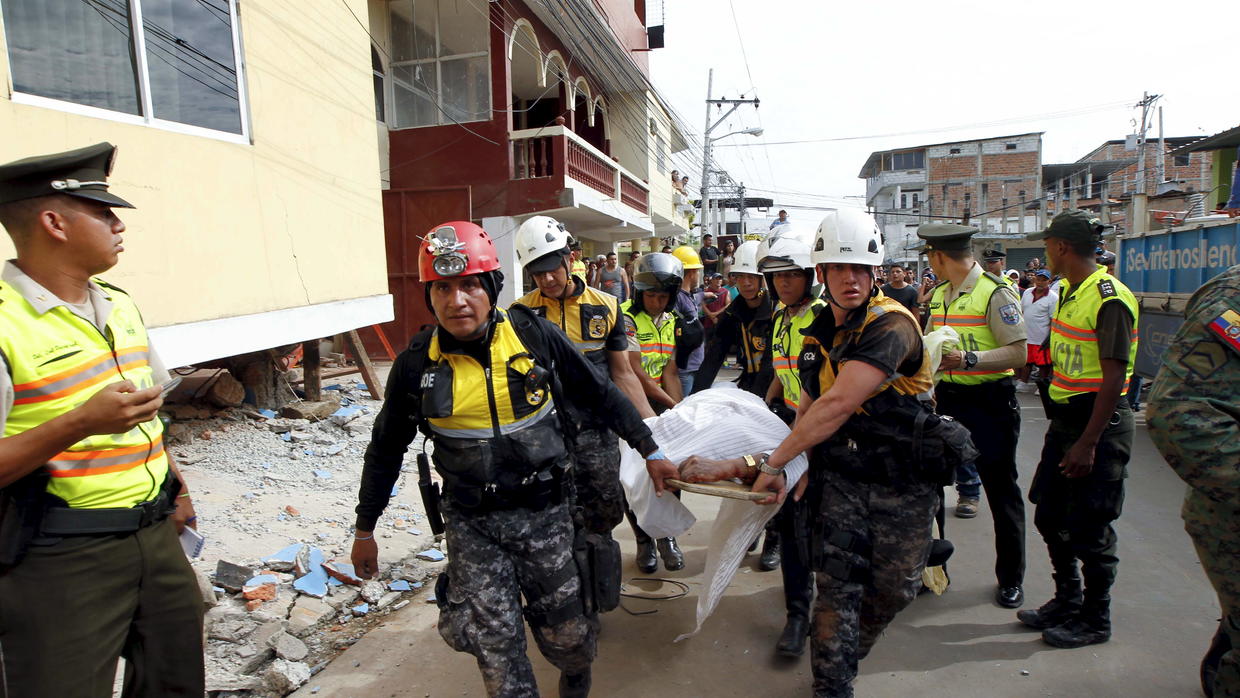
(275, 497)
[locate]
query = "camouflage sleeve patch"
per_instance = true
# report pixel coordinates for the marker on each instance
(1204, 358)
(1227, 327)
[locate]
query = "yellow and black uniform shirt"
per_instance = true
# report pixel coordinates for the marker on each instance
(589, 317)
(585, 390)
(748, 330)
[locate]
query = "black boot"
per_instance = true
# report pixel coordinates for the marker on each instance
(1219, 646)
(1062, 607)
(770, 552)
(575, 685)
(647, 563)
(673, 558)
(1090, 627)
(792, 640)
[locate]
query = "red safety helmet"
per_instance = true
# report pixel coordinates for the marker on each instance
(456, 248)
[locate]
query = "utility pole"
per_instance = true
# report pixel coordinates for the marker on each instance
(702, 186)
(1140, 199)
(1162, 152)
(707, 140)
(740, 208)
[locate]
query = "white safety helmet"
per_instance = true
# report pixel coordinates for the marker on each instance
(848, 236)
(540, 236)
(779, 252)
(746, 258)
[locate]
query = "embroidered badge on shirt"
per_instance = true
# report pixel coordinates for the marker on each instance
(1106, 289)
(1227, 326)
(1010, 314)
(598, 327)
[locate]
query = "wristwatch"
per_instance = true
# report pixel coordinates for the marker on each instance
(970, 360)
(764, 465)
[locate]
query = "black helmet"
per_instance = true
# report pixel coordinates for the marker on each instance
(658, 272)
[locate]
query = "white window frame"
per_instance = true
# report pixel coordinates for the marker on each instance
(442, 118)
(138, 36)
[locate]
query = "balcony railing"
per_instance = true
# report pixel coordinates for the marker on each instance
(556, 150)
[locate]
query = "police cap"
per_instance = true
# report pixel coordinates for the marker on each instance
(992, 255)
(945, 236)
(82, 173)
(1073, 226)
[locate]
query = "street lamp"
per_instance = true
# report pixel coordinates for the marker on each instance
(752, 131)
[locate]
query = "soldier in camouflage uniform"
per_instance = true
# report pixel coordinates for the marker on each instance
(862, 366)
(1195, 423)
(480, 386)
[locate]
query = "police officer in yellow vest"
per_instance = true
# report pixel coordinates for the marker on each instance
(651, 326)
(90, 565)
(978, 388)
(591, 320)
(489, 389)
(872, 493)
(1078, 488)
(992, 261)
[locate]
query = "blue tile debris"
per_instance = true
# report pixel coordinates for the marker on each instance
(265, 466)
(259, 580)
(323, 474)
(359, 386)
(286, 555)
(333, 386)
(286, 436)
(361, 609)
(268, 414)
(431, 555)
(416, 531)
(416, 585)
(395, 489)
(335, 449)
(399, 585)
(314, 582)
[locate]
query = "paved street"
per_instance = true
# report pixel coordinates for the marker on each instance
(959, 644)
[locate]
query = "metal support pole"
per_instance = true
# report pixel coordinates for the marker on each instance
(705, 188)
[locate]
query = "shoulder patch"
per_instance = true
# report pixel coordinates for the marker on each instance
(1227, 327)
(1106, 289)
(1010, 314)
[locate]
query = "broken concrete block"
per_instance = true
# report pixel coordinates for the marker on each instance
(342, 596)
(299, 436)
(262, 588)
(220, 681)
(372, 591)
(335, 449)
(285, 676)
(313, 411)
(253, 604)
(206, 589)
(307, 613)
(231, 576)
(231, 630)
(344, 415)
(388, 599)
(225, 391)
(257, 660)
(431, 555)
(268, 630)
(343, 571)
(323, 474)
(284, 559)
(288, 647)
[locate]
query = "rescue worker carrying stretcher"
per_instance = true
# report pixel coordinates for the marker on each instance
(746, 326)
(484, 386)
(877, 454)
(591, 321)
(653, 329)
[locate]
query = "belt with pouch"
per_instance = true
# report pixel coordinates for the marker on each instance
(67, 521)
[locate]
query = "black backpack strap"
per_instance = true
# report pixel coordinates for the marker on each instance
(418, 356)
(526, 324)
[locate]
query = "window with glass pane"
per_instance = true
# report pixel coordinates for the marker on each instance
(440, 62)
(85, 52)
(78, 51)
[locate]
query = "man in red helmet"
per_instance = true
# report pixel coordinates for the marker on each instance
(484, 385)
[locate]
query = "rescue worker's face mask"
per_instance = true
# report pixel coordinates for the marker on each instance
(461, 306)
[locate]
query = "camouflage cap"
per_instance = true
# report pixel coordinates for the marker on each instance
(1073, 226)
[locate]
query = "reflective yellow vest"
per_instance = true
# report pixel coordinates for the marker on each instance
(786, 341)
(658, 344)
(489, 401)
(1075, 368)
(586, 318)
(967, 315)
(59, 361)
(580, 270)
(904, 385)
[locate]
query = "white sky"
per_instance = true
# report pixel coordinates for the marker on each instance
(831, 69)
